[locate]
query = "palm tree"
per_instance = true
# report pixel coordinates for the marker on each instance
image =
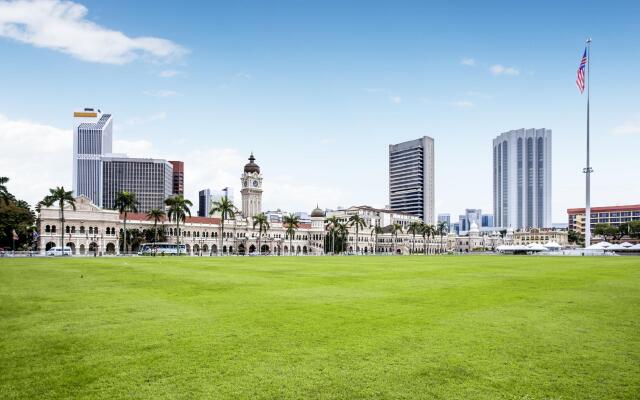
(429, 231)
(178, 211)
(227, 210)
(5, 196)
(262, 222)
(343, 230)
(156, 215)
(332, 223)
(395, 228)
(126, 202)
(62, 197)
(442, 228)
(414, 228)
(359, 223)
(292, 222)
(377, 230)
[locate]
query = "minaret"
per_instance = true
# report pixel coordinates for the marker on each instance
(251, 181)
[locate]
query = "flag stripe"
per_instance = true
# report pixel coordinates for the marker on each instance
(580, 79)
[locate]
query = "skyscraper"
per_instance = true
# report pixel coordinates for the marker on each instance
(92, 138)
(522, 179)
(204, 202)
(445, 218)
(150, 179)
(178, 177)
(472, 215)
(411, 178)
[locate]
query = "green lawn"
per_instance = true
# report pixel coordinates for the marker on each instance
(483, 327)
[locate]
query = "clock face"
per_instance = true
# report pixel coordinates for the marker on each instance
(255, 183)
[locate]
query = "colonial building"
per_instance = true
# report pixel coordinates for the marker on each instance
(251, 181)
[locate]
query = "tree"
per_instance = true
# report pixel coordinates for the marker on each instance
(605, 230)
(332, 224)
(262, 222)
(292, 222)
(227, 210)
(62, 198)
(634, 229)
(359, 223)
(377, 230)
(178, 209)
(125, 203)
(414, 228)
(395, 228)
(343, 231)
(5, 196)
(442, 229)
(575, 237)
(428, 231)
(156, 215)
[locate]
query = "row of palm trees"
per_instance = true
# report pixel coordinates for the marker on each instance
(178, 208)
(340, 228)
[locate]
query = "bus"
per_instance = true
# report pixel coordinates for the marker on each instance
(149, 249)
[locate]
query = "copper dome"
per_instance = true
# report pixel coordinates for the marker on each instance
(252, 166)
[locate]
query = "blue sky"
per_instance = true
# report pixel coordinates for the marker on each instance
(317, 90)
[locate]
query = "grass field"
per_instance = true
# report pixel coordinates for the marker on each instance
(482, 327)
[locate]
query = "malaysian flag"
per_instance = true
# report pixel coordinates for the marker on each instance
(580, 79)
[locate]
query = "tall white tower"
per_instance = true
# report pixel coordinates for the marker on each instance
(92, 138)
(251, 181)
(522, 179)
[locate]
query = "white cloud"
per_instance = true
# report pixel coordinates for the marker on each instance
(133, 148)
(631, 127)
(470, 62)
(169, 73)
(463, 104)
(147, 119)
(499, 69)
(242, 75)
(62, 26)
(160, 93)
(395, 99)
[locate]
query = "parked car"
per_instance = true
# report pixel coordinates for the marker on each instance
(59, 251)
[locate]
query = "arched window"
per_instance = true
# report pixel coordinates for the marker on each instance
(95, 230)
(53, 228)
(82, 229)
(47, 228)
(73, 229)
(67, 229)
(91, 230)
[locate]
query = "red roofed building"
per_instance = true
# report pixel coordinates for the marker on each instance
(614, 215)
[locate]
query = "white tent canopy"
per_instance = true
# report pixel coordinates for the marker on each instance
(536, 247)
(552, 245)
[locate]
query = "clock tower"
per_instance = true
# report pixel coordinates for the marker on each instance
(251, 181)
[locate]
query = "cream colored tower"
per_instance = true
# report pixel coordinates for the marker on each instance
(251, 181)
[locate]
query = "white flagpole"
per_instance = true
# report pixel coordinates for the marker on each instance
(588, 170)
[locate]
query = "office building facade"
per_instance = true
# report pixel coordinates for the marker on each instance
(178, 177)
(487, 220)
(445, 218)
(411, 178)
(150, 179)
(522, 179)
(614, 215)
(92, 138)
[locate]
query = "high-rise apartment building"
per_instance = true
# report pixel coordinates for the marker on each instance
(411, 184)
(178, 177)
(472, 215)
(150, 179)
(522, 179)
(92, 138)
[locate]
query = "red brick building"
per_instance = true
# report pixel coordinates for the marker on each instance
(178, 177)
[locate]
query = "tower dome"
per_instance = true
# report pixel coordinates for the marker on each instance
(252, 166)
(317, 212)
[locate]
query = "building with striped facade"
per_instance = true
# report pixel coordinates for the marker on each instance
(522, 179)
(411, 178)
